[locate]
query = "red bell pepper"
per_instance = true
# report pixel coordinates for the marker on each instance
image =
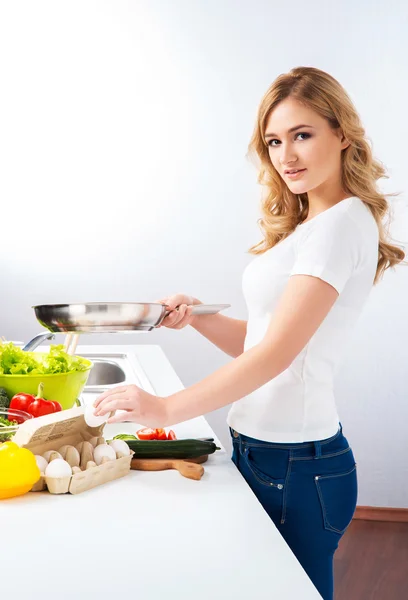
(34, 405)
(171, 435)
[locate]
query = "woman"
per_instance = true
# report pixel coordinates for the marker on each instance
(324, 247)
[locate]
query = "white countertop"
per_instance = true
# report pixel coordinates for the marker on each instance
(152, 535)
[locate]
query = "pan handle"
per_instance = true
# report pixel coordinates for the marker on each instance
(203, 309)
(208, 309)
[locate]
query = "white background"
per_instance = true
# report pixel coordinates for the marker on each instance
(123, 175)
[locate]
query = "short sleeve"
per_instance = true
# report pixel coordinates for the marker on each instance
(329, 249)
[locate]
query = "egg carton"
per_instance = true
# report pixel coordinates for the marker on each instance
(66, 435)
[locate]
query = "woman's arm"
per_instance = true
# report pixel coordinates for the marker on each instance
(224, 332)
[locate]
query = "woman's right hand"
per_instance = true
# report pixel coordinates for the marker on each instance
(180, 318)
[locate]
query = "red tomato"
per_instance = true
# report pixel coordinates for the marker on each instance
(146, 434)
(21, 402)
(161, 434)
(171, 435)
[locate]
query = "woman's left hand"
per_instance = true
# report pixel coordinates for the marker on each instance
(140, 406)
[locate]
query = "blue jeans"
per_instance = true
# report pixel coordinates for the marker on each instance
(309, 490)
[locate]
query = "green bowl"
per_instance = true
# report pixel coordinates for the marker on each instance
(65, 388)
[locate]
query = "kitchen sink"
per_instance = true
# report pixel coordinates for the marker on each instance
(110, 370)
(105, 372)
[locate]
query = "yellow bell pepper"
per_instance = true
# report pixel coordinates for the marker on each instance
(18, 470)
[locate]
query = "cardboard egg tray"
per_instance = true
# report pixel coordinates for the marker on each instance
(68, 427)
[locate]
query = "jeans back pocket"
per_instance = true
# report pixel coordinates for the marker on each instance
(338, 499)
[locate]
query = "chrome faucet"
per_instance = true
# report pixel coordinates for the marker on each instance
(37, 341)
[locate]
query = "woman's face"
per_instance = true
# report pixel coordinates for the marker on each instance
(303, 148)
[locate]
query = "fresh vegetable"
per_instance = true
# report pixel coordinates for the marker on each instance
(170, 448)
(128, 436)
(6, 423)
(14, 361)
(40, 407)
(147, 434)
(161, 434)
(155, 434)
(21, 402)
(18, 470)
(4, 399)
(34, 405)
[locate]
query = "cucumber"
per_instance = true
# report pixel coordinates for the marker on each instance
(170, 448)
(128, 436)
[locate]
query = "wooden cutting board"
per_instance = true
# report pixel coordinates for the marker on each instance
(188, 467)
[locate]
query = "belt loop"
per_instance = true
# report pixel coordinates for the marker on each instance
(242, 448)
(318, 449)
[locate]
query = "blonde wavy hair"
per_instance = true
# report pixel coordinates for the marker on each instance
(283, 210)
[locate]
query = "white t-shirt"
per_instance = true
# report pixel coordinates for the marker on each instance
(339, 246)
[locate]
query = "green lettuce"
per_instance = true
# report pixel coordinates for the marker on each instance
(14, 361)
(4, 437)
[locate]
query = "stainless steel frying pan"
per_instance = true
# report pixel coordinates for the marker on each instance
(110, 317)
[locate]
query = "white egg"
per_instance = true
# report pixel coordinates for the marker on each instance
(91, 419)
(58, 468)
(42, 463)
(120, 446)
(103, 450)
(47, 455)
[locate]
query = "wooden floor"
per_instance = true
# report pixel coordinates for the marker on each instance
(371, 562)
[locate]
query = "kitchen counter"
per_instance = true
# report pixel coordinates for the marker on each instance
(149, 535)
